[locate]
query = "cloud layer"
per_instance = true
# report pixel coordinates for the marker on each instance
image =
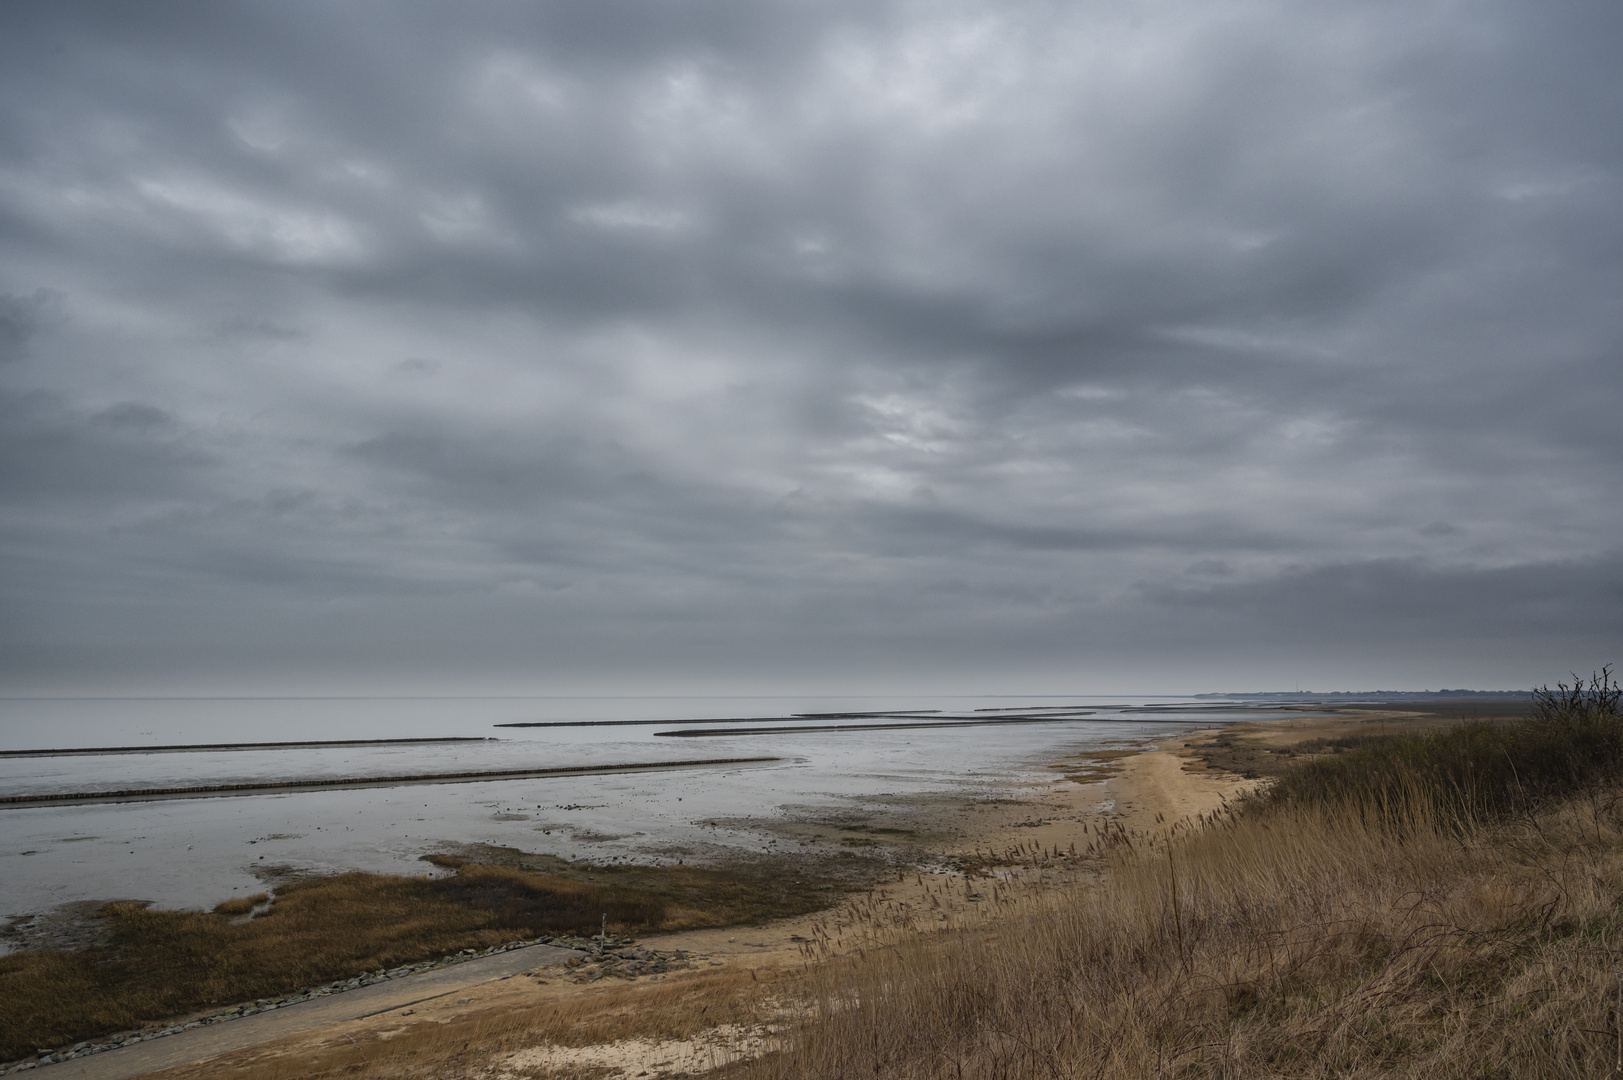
(630, 345)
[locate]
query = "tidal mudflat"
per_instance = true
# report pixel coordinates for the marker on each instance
(830, 758)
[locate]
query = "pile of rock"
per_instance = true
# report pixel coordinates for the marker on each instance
(625, 961)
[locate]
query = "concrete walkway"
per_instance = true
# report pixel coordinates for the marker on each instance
(206, 1042)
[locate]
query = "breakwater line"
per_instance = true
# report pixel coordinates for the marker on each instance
(275, 787)
(696, 733)
(797, 717)
(192, 748)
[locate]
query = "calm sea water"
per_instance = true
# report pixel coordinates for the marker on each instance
(196, 852)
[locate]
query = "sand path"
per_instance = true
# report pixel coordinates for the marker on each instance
(202, 1043)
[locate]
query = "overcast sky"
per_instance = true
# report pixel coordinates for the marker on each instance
(616, 346)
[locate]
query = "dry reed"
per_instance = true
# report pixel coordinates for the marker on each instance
(1310, 941)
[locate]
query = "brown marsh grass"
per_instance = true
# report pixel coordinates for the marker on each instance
(160, 964)
(241, 905)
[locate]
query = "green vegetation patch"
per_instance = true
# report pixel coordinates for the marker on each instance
(693, 897)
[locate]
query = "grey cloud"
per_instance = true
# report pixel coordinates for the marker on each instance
(418, 366)
(956, 531)
(502, 474)
(731, 337)
(1411, 601)
(126, 452)
(21, 317)
(252, 327)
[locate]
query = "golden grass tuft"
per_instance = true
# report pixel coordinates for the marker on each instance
(240, 905)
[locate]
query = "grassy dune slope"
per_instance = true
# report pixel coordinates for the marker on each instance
(1440, 905)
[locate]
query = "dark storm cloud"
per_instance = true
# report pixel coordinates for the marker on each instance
(1071, 342)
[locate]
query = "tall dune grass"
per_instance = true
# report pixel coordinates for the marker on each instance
(1301, 942)
(1573, 738)
(1371, 921)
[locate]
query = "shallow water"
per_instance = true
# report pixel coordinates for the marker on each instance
(197, 851)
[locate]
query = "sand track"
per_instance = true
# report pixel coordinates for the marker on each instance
(200, 1044)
